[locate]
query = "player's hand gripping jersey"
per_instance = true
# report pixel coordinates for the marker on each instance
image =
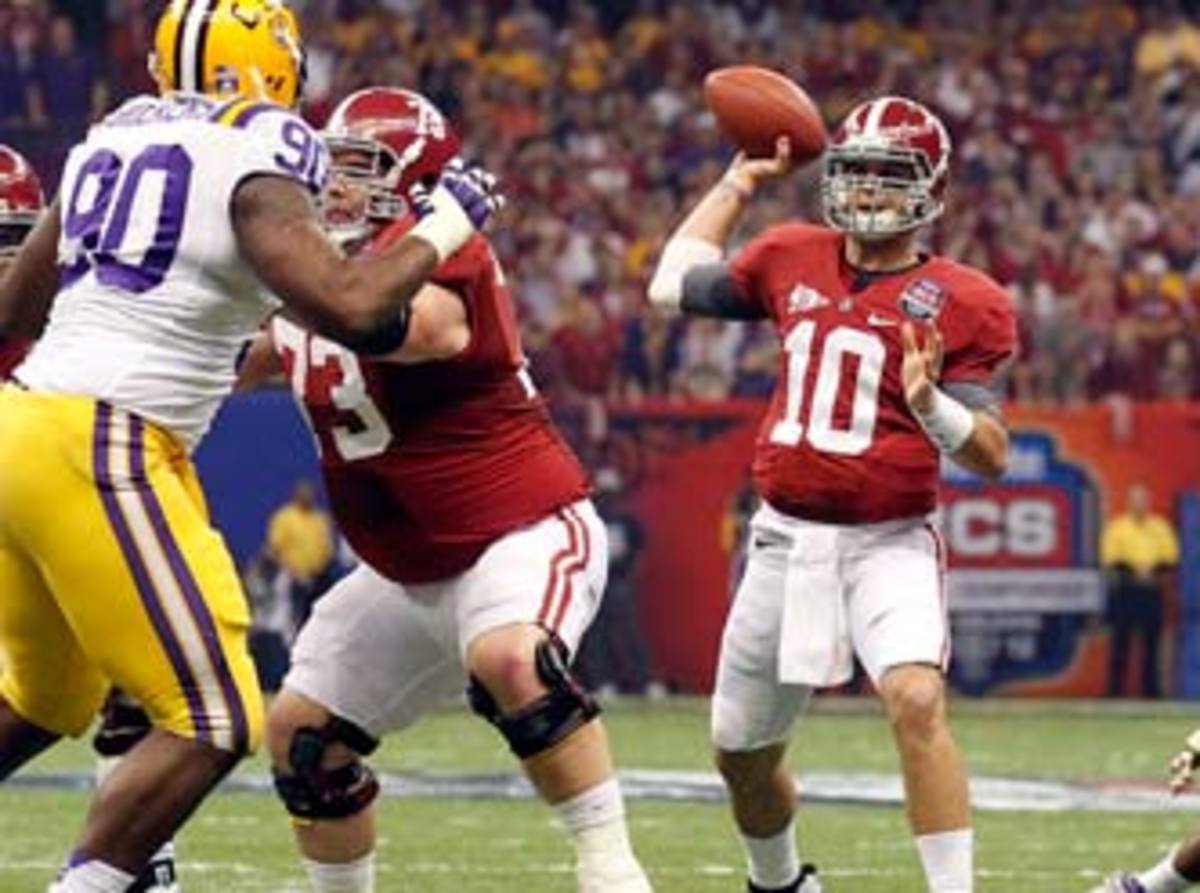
(156, 302)
(427, 464)
(839, 443)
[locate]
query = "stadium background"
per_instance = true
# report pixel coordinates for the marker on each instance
(1077, 184)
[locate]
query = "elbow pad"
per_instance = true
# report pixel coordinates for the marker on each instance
(680, 255)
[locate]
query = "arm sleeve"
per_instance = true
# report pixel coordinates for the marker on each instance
(750, 268)
(711, 290)
(1169, 545)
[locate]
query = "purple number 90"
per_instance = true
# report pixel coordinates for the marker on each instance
(100, 234)
(304, 159)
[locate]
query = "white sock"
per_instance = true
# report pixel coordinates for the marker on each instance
(343, 877)
(94, 877)
(773, 861)
(1163, 878)
(948, 858)
(595, 820)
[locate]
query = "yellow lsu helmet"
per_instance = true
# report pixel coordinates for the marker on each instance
(230, 48)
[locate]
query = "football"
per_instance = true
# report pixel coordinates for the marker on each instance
(754, 106)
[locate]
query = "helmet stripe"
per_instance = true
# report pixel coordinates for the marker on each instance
(202, 41)
(189, 62)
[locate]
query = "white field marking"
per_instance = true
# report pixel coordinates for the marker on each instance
(878, 789)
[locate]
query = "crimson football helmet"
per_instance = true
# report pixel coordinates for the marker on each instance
(21, 200)
(386, 139)
(886, 169)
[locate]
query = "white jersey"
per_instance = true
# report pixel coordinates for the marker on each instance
(155, 302)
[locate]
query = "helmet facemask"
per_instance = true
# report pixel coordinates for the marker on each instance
(875, 190)
(362, 195)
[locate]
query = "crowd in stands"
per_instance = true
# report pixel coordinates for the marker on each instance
(1077, 164)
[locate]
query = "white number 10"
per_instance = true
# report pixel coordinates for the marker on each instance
(821, 434)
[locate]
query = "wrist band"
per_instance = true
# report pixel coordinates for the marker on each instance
(948, 423)
(447, 228)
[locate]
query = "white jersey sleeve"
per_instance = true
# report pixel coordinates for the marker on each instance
(155, 301)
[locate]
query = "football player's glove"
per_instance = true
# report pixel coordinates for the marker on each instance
(474, 189)
(1185, 763)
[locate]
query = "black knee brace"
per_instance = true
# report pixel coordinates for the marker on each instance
(539, 726)
(314, 792)
(123, 723)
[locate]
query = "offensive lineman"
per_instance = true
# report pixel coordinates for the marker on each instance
(888, 360)
(175, 212)
(484, 559)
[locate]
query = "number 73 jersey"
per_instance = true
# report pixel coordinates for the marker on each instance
(839, 443)
(427, 464)
(155, 301)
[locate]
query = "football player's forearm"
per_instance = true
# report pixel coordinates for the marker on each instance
(27, 290)
(986, 451)
(698, 241)
(715, 216)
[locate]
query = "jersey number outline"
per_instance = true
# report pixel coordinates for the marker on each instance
(820, 433)
(310, 352)
(97, 217)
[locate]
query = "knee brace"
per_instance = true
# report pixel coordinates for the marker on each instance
(314, 792)
(123, 723)
(544, 723)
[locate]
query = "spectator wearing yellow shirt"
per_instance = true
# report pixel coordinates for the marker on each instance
(300, 540)
(1137, 549)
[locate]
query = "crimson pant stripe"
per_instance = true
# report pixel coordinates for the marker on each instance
(187, 584)
(939, 548)
(561, 556)
(101, 437)
(573, 568)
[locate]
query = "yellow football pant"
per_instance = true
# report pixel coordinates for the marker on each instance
(110, 574)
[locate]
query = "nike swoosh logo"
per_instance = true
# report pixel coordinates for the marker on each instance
(874, 319)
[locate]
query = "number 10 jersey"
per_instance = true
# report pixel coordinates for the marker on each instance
(839, 443)
(155, 302)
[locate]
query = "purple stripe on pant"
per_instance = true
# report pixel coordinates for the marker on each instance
(187, 584)
(101, 439)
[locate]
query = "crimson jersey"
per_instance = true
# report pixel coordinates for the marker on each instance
(839, 443)
(427, 464)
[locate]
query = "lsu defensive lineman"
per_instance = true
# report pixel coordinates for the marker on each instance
(178, 214)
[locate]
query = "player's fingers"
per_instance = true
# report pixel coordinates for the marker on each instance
(783, 153)
(908, 338)
(937, 348)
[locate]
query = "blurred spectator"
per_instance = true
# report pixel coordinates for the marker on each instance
(613, 658)
(300, 540)
(1137, 549)
(1076, 126)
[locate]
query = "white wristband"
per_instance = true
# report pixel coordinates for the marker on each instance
(948, 423)
(679, 255)
(448, 227)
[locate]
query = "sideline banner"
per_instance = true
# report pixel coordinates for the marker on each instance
(1026, 592)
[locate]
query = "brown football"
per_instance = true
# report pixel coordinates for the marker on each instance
(754, 106)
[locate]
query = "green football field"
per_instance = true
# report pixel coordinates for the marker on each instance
(443, 840)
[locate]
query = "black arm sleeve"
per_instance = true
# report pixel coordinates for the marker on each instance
(710, 290)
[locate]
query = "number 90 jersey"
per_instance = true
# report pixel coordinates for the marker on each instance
(839, 443)
(427, 464)
(155, 301)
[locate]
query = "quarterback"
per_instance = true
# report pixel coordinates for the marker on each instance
(180, 216)
(484, 560)
(887, 363)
